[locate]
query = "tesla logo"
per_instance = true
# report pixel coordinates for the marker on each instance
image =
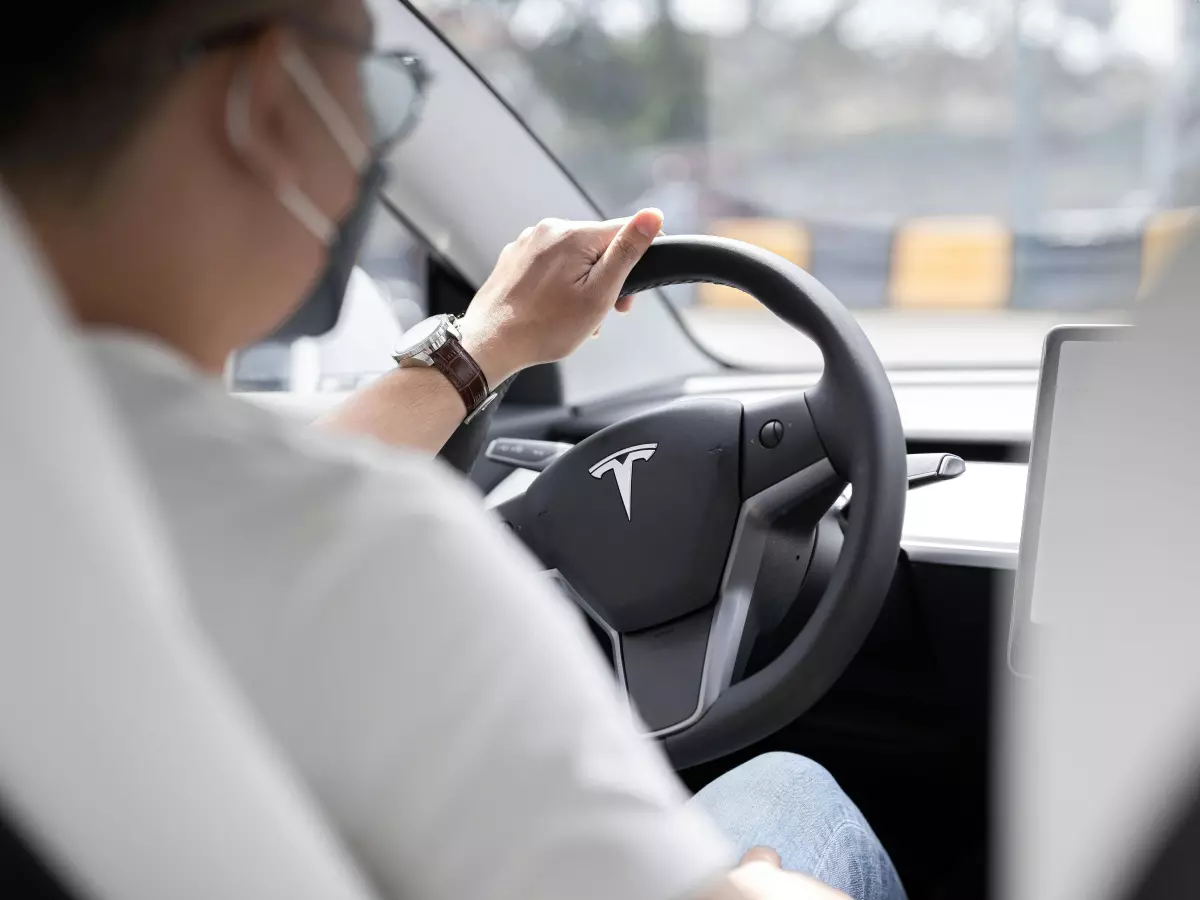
(621, 465)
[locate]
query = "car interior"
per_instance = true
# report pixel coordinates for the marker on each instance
(836, 560)
(109, 690)
(906, 726)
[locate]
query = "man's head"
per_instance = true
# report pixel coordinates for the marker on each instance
(181, 161)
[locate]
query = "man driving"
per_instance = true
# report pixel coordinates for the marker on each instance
(183, 167)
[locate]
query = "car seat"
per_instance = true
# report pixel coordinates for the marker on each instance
(130, 767)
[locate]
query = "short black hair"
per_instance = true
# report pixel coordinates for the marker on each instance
(77, 78)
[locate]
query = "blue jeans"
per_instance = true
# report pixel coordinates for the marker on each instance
(794, 806)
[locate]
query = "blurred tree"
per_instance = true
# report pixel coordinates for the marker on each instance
(836, 108)
(646, 91)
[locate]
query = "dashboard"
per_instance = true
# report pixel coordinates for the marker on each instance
(973, 520)
(984, 416)
(984, 406)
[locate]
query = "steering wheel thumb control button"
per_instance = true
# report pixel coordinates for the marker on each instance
(771, 435)
(522, 453)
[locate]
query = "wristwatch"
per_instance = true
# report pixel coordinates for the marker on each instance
(437, 343)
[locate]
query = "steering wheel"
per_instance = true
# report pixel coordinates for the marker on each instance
(661, 527)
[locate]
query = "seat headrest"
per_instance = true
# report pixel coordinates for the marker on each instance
(127, 758)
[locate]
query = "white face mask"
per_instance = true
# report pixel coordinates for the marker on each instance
(331, 114)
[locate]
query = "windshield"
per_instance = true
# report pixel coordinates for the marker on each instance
(962, 173)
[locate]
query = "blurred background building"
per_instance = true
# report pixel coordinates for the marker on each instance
(1064, 123)
(952, 169)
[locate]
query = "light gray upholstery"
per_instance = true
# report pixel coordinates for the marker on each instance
(1101, 749)
(126, 755)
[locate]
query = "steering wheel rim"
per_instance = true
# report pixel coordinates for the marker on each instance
(845, 429)
(869, 453)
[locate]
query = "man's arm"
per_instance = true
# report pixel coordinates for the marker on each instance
(551, 289)
(415, 408)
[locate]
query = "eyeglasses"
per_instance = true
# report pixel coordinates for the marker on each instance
(394, 83)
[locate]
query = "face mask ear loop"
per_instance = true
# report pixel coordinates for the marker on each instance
(294, 200)
(326, 106)
(302, 208)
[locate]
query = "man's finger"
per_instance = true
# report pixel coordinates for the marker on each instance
(604, 232)
(628, 246)
(624, 304)
(762, 854)
(601, 233)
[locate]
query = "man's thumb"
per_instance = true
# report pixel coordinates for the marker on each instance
(762, 854)
(628, 246)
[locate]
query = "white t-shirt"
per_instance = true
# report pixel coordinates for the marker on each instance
(446, 706)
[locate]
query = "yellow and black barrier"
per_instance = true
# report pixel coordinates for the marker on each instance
(1162, 237)
(789, 239)
(958, 263)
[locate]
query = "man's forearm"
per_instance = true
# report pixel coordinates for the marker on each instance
(415, 408)
(418, 407)
(550, 289)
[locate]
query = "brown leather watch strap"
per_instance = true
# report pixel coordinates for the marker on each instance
(461, 371)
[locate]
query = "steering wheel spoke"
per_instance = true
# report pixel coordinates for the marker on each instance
(779, 439)
(672, 673)
(660, 670)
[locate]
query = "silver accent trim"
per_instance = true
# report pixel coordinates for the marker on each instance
(615, 639)
(420, 353)
(621, 466)
(951, 553)
(488, 401)
(737, 585)
(1022, 626)
(620, 453)
(515, 485)
(505, 451)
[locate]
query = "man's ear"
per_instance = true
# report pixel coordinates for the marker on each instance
(261, 112)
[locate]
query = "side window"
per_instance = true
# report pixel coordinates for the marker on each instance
(385, 296)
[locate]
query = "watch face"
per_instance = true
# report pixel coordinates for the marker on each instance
(420, 335)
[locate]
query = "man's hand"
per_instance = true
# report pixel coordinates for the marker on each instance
(759, 877)
(551, 289)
